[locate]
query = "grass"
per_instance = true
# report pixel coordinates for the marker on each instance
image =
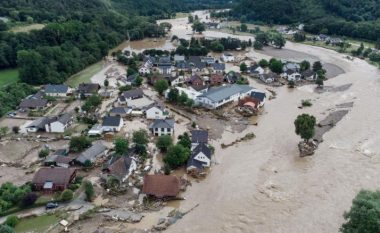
(84, 75)
(36, 224)
(8, 76)
(181, 15)
(27, 28)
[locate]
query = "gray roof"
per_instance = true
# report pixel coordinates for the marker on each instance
(88, 88)
(202, 147)
(179, 58)
(119, 110)
(258, 95)
(111, 121)
(220, 93)
(39, 123)
(159, 123)
(133, 94)
(61, 88)
(92, 153)
(33, 103)
(218, 66)
(65, 118)
(199, 136)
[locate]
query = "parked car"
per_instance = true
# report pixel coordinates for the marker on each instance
(51, 205)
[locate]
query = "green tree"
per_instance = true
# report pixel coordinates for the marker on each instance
(121, 146)
(12, 221)
(6, 229)
(317, 66)
(304, 65)
(185, 140)
(89, 191)
(43, 153)
(364, 215)
(198, 27)
(67, 195)
(140, 137)
(164, 142)
(173, 95)
(299, 37)
(138, 82)
(106, 83)
(177, 156)
(263, 63)
(190, 19)
(161, 86)
(3, 131)
(31, 67)
(319, 82)
(243, 67)
(182, 99)
(92, 103)
(243, 27)
(275, 66)
(80, 143)
(216, 46)
(262, 37)
(278, 40)
(305, 126)
(258, 45)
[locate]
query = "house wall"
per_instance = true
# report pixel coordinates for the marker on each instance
(55, 127)
(203, 158)
(154, 113)
(56, 94)
(163, 131)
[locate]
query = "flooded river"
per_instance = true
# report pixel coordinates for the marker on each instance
(263, 185)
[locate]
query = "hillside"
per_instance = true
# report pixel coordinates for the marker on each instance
(354, 18)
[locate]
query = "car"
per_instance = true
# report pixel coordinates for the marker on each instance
(51, 205)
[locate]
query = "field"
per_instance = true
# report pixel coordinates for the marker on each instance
(37, 224)
(8, 76)
(84, 75)
(181, 15)
(27, 28)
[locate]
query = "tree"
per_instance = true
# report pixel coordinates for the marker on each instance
(183, 98)
(177, 156)
(299, 37)
(305, 126)
(106, 83)
(305, 65)
(29, 199)
(67, 195)
(43, 153)
(278, 40)
(243, 67)
(164, 142)
(15, 129)
(173, 95)
(190, 19)
(216, 46)
(161, 86)
(184, 140)
(92, 103)
(31, 67)
(317, 66)
(121, 146)
(12, 221)
(198, 27)
(6, 229)
(243, 27)
(80, 143)
(275, 66)
(138, 81)
(258, 45)
(3, 131)
(364, 215)
(262, 37)
(319, 82)
(263, 63)
(89, 191)
(140, 137)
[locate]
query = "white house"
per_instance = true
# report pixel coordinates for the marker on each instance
(96, 130)
(227, 57)
(155, 111)
(291, 75)
(216, 97)
(191, 93)
(268, 78)
(256, 70)
(112, 123)
(59, 124)
(200, 158)
(161, 127)
(144, 70)
(57, 90)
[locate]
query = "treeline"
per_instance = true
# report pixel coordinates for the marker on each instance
(359, 19)
(11, 96)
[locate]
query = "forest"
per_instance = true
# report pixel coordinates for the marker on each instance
(352, 18)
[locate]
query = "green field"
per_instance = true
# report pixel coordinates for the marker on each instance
(27, 28)
(36, 224)
(8, 76)
(84, 75)
(181, 15)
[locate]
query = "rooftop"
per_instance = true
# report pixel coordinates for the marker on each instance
(57, 175)
(161, 186)
(199, 136)
(220, 93)
(162, 123)
(111, 121)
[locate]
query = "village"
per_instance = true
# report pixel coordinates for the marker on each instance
(136, 140)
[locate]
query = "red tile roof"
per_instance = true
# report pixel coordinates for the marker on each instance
(161, 186)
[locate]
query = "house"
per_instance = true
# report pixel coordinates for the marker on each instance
(120, 111)
(58, 160)
(161, 186)
(208, 60)
(196, 64)
(200, 158)
(218, 68)
(198, 137)
(131, 79)
(152, 80)
(179, 58)
(143, 70)
(309, 75)
(232, 77)
(268, 78)
(195, 80)
(96, 130)
(91, 154)
(175, 80)
(183, 66)
(112, 123)
(199, 88)
(219, 96)
(161, 127)
(190, 92)
(51, 179)
(291, 75)
(38, 125)
(227, 57)
(156, 111)
(33, 104)
(60, 90)
(260, 96)
(88, 89)
(59, 124)
(295, 67)
(165, 69)
(130, 95)
(216, 79)
(255, 70)
(120, 167)
(213, 25)
(323, 37)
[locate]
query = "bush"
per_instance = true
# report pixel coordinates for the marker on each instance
(12, 221)
(6, 229)
(74, 187)
(89, 190)
(43, 153)
(163, 142)
(306, 103)
(67, 195)
(80, 143)
(29, 199)
(177, 156)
